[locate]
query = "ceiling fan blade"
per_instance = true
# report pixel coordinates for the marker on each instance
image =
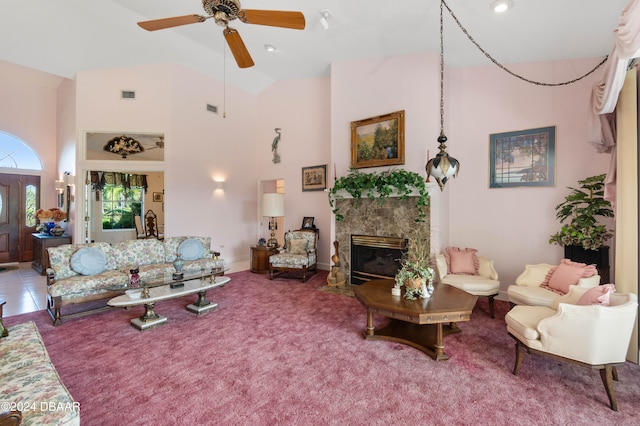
(274, 18)
(237, 47)
(176, 21)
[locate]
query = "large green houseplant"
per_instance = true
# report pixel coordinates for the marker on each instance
(579, 214)
(380, 186)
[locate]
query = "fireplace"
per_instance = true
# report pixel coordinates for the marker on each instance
(374, 257)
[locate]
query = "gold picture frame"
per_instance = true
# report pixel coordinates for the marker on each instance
(378, 141)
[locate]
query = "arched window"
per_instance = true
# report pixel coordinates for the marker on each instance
(15, 154)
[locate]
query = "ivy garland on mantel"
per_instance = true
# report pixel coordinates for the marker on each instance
(380, 186)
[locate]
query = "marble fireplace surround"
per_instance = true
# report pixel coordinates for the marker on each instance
(393, 218)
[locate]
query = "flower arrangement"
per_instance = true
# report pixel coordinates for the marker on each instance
(54, 214)
(58, 215)
(44, 214)
(415, 268)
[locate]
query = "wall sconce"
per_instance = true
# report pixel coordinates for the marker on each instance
(219, 185)
(69, 179)
(60, 191)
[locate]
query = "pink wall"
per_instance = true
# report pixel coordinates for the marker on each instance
(301, 109)
(28, 112)
(513, 225)
(199, 146)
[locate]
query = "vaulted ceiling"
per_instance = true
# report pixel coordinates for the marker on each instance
(64, 37)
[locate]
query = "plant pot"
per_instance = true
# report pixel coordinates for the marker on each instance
(599, 257)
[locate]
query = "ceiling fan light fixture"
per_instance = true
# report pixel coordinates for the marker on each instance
(500, 6)
(270, 48)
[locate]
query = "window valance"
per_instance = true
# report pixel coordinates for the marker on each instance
(100, 179)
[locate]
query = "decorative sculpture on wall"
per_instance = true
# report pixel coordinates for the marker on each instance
(274, 146)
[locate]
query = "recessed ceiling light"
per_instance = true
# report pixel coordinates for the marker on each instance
(269, 48)
(500, 6)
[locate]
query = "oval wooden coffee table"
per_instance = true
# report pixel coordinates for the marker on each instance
(421, 323)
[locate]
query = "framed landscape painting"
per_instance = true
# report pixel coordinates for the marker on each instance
(378, 141)
(522, 158)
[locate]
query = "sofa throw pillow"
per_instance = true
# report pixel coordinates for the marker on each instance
(298, 246)
(566, 274)
(462, 261)
(598, 295)
(190, 249)
(88, 261)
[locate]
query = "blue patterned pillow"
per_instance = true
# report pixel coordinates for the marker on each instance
(190, 249)
(88, 261)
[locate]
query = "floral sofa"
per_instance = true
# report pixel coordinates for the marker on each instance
(31, 387)
(82, 273)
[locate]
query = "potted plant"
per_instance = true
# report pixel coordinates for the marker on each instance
(416, 273)
(582, 236)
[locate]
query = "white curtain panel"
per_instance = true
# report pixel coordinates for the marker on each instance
(626, 46)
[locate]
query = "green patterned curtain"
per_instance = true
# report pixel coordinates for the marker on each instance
(126, 180)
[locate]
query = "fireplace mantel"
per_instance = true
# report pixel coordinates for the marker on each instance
(395, 217)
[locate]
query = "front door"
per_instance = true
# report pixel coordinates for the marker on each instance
(19, 200)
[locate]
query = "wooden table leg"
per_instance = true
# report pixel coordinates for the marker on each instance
(370, 330)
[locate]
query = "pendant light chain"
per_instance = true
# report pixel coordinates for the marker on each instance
(538, 83)
(441, 71)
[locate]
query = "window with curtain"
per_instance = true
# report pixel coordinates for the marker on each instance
(122, 197)
(120, 205)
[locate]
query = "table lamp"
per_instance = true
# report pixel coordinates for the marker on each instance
(273, 206)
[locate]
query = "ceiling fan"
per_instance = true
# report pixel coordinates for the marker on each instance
(159, 144)
(225, 11)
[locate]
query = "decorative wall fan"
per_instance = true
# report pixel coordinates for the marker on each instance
(225, 11)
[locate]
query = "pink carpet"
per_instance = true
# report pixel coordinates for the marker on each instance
(282, 352)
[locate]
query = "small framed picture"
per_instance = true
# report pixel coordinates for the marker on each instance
(158, 197)
(307, 222)
(314, 178)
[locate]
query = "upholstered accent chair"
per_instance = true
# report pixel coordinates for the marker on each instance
(578, 328)
(482, 281)
(297, 256)
(528, 291)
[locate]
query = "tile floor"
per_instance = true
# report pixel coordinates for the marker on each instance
(23, 289)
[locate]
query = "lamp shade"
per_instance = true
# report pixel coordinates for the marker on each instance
(273, 205)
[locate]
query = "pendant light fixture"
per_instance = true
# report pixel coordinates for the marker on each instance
(442, 166)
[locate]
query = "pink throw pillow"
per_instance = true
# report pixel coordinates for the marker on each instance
(566, 274)
(598, 295)
(462, 261)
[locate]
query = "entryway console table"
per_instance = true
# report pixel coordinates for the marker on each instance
(41, 243)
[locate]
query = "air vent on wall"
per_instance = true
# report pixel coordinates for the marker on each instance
(212, 108)
(128, 94)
